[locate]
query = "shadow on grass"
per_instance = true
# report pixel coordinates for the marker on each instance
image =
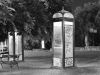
(85, 70)
(74, 70)
(36, 68)
(39, 57)
(88, 60)
(2, 71)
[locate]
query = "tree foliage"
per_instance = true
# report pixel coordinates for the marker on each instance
(56, 5)
(6, 16)
(35, 16)
(31, 17)
(86, 18)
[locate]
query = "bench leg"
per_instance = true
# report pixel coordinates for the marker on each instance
(17, 66)
(1, 64)
(11, 64)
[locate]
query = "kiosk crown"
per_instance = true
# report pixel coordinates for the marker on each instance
(63, 13)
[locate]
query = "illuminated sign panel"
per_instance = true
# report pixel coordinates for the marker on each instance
(18, 45)
(43, 44)
(68, 43)
(57, 43)
(10, 44)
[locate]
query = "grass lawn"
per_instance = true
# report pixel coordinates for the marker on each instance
(40, 63)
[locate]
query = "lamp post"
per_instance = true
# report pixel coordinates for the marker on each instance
(93, 30)
(63, 39)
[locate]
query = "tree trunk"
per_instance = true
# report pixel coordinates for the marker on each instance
(86, 40)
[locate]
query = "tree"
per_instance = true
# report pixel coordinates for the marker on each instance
(38, 12)
(56, 5)
(6, 16)
(86, 18)
(42, 12)
(33, 17)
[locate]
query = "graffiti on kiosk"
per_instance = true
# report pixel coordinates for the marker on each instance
(67, 46)
(69, 62)
(68, 31)
(68, 38)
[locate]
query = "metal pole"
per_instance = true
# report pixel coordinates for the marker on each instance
(22, 47)
(14, 42)
(73, 44)
(63, 38)
(93, 37)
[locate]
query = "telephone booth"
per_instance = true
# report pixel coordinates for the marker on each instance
(63, 39)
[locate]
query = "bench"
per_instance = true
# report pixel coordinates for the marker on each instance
(11, 59)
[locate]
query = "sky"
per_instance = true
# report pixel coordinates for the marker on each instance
(76, 3)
